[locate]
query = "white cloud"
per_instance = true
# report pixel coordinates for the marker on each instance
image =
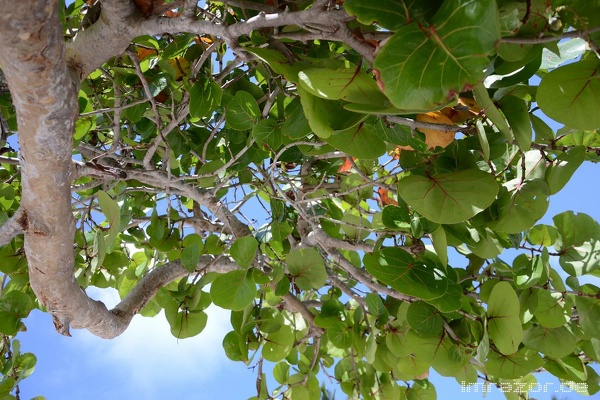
(146, 353)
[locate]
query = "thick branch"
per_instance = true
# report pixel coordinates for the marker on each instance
(32, 56)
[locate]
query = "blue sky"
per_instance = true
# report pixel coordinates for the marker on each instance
(148, 363)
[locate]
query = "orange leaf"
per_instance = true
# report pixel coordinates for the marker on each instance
(384, 197)
(434, 137)
(142, 53)
(346, 167)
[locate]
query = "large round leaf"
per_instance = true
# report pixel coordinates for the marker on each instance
(234, 290)
(360, 141)
(327, 116)
(449, 198)
(189, 324)
(571, 95)
(348, 84)
(424, 66)
(424, 319)
(278, 344)
(552, 342)
(521, 206)
(551, 310)
(400, 270)
(307, 268)
(205, 96)
(565, 165)
(242, 111)
(243, 250)
(504, 323)
(513, 366)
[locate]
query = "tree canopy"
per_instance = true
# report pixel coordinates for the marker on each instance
(358, 181)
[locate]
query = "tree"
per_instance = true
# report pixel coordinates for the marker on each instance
(307, 165)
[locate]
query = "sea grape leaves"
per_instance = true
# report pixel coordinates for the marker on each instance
(446, 55)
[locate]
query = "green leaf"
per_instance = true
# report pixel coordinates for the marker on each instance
(281, 230)
(449, 358)
(376, 307)
(544, 235)
(267, 133)
(205, 97)
(360, 141)
(527, 270)
(234, 290)
(568, 50)
(353, 228)
(581, 260)
(563, 168)
(279, 62)
(491, 111)
(17, 303)
(243, 251)
(327, 116)
(281, 372)
(83, 126)
(483, 140)
(449, 198)
(575, 229)
(395, 217)
(521, 205)
(192, 247)
(235, 347)
(295, 125)
(242, 111)
(440, 244)
(589, 315)
(189, 324)
(552, 342)
(571, 94)
(340, 335)
(504, 323)
(449, 302)
(513, 366)
(424, 319)
(551, 311)
(421, 390)
(391, 14)
(348, 84)
(99, 248)
(9, 323)
(156, 230)
(398, 269)
(397, 344)
(424, 66)
(516, 112)
(570, 368)
(543, 133)
(278, 344)
(307, 268)
(112, 212)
